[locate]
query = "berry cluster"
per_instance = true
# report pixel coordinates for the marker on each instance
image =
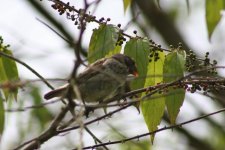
(205, 84)
(120, 40)
(196, 87)
(153, 55)
(79, 17)
(154, 52)
(103, 20)
(193, 63)
(121, 37)
(206, 62)
(3, 47)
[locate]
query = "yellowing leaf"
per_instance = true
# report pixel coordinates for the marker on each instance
(213, 10)
(103, 41)
(126, 3)
(116, 50)
(138, 49)
(173, 70)
(153, 108)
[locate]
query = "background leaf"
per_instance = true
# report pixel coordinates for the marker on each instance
(136, 145)
(173, 69)
(3, 77)
(126, 3)
(10, 66)
(2, 115)
(42, 115)
(153, 109)
(10, 70)
(103, 41)
(138, 49)
(213, 10)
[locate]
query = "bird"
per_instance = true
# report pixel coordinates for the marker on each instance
(101, 80)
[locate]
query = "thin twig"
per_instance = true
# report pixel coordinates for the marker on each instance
(94, 137)
(32, 107)
(28, 67)
(153, 132)
(182, 78)
(135, 92)
(52, 131)
(99, 22)
(95, 120)
(70, 43)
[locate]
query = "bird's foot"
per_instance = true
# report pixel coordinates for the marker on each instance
(88, 110)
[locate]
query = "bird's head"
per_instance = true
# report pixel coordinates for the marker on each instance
(130, 63)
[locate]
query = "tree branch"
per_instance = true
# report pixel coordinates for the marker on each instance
(50, 132)
(32, 107)
(153, 132)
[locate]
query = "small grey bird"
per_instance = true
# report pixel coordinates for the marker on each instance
(102, 80)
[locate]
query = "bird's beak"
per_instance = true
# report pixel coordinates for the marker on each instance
(135, 73)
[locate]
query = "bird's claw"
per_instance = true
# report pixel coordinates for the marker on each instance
(88, 110)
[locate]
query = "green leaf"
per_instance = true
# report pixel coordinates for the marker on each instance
(42, 115)
(10, 67)
(173, 70)
(10, 70)
(3, 77)
(116, 50)
(103, 41)
(138, 49)
(135, 145)
(2, 115)
(213, 10)
(153, 108)
(126, 3)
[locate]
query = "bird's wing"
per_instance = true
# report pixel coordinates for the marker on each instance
(92, 70)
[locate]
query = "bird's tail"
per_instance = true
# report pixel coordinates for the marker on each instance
(56, 93)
